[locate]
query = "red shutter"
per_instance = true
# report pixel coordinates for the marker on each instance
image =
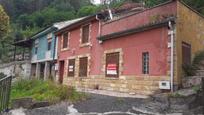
(83, 67)
(71, 68)
(112, 65)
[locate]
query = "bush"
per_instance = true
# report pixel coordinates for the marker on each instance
(197, 63)
(44, 91)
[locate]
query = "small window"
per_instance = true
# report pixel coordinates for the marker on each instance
(65, 40)
(49, 45)
(36, 50)
(83, 67)
(145, 63)
(85, 34)
(112, 64)
(71, 68)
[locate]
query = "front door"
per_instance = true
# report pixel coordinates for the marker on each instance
(61, 71)
(42, 68)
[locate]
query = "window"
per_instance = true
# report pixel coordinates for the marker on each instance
(145, 63)
(186, 53)
(112, 65)
(36, 50)
(49, 45)
(85, 34)
(83, 67)
(65, 40)
(71, 68)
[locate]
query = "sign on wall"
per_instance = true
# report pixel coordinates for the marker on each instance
(71, 68)
(111, 69)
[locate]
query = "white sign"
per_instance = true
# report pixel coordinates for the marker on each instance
(71, 68)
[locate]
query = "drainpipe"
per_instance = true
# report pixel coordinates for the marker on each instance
(172, 55)
(54, 52)
(99, 28)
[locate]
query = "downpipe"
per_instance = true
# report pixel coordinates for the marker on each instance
(172, 55)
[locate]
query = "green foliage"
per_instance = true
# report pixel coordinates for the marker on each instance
(197, 5)
(197, 88)
(4, 23)
(87, 10)
(175, 95)
(44, 91)
(197, 63)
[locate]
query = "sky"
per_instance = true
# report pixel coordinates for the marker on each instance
(97, 1)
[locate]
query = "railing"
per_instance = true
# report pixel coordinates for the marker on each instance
(5, 88)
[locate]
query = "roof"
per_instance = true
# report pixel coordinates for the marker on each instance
(76, 23)
(136, 30)
(24, 43)
(55, 26)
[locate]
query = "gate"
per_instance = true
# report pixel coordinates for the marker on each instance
(5, 88)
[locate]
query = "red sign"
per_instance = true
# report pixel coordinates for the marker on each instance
(112, 69)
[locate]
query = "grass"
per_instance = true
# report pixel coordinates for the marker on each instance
(45, 91)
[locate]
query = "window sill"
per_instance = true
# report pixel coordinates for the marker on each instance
(64, 49)
(85, 44)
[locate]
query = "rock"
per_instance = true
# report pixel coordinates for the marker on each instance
(39, 104)
(161, 98)
(71, 109)
(22, 102)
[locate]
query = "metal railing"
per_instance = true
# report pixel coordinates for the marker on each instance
(5, 88)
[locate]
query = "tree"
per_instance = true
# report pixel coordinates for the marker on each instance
(4, 23)
(87, 10)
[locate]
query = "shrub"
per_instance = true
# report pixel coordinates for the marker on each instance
(197, 63)
(44, 91)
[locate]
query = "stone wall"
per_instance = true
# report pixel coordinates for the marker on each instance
(17, 69)
(125, 84)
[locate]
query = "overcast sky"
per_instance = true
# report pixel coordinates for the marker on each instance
(97, 1)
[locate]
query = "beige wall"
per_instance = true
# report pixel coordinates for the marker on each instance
(189, 29)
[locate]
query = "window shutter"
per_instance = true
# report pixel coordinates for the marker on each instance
(71, 67)
(83, 67)
(186, 53)
(65, 40)
(112, 65)
(85, 34)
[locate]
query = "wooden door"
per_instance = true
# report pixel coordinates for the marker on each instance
(186, 53)
(71, 68)
(61, 71)
(83, 67)
(112, 65)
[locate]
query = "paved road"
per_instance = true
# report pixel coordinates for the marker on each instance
(94, 105)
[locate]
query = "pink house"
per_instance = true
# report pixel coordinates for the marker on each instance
(130, 53)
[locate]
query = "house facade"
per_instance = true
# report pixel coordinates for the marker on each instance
(132, 53)
(44, 51)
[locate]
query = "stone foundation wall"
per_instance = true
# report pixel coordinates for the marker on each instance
(144, 85)
(18, 69)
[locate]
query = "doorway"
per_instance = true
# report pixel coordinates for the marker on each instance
(61, 71)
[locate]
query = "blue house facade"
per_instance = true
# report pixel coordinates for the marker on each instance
(44, 51)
